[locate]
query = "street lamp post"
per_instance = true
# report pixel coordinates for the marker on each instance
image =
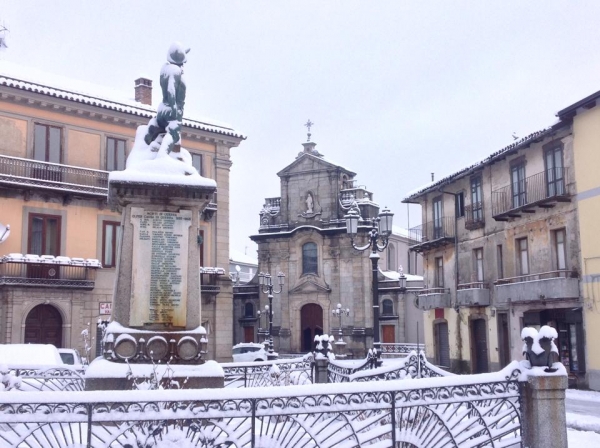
(340, 312)
(263, 330)
(266, 285)
(378, 240)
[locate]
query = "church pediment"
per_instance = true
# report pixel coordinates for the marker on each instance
(310, 284)
(307, 163)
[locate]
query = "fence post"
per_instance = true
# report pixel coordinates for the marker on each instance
(321, 365)
(544, 419)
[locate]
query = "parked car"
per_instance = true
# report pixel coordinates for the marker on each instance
(30, 355)
(248, 352)
(71, 357)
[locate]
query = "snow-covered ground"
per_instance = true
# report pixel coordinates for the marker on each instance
(583, 418)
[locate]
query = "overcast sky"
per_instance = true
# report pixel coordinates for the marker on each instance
(396, 89)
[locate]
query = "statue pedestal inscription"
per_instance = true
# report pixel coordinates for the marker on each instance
(160, 265)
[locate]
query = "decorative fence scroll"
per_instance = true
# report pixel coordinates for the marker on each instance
(412, 366)
(474, 411)
(270, 373)
(49, 379)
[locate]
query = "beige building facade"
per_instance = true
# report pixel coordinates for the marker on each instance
(57, 267)
(501, 248)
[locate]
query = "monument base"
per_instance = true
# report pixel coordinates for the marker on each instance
(107, 375)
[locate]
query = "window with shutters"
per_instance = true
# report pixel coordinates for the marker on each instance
(115, 154)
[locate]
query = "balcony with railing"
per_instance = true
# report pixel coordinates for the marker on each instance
(542, 190)
(48, 271)
(473, 294)
(474, 216)
(428, 299)
(432, 234)
(18, 172)
(209, 280)
(559, 284)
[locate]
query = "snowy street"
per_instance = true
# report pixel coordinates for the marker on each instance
(583, 417)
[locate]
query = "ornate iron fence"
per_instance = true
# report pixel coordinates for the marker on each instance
(474, 411)
(390, 350)
(412, 366)
(48, 379)
(270, 373)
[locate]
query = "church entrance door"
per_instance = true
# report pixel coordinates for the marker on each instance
(311, 324)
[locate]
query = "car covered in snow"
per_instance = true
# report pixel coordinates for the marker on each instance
(249, 352)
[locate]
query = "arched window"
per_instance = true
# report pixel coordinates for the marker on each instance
(391, 258)
(248, 309)
(387, 307)
(309, 258)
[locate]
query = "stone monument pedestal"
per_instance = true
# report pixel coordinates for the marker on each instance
(156, 328)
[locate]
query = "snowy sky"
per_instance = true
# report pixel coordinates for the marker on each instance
(396, 89)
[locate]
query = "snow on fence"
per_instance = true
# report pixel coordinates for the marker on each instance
(412, 366)
(62, 378)
(465, 411)
(270, 373)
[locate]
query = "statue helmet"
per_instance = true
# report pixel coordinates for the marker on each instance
(177, 53)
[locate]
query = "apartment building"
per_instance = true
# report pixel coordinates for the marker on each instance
(501, 251)
(58, 142)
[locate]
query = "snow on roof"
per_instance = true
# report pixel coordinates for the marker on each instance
(235, 256)
(522, 143)
(35, 80)
(395, 275)
(29, 355)
(401, 231)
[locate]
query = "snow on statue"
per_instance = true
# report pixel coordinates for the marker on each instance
(157, 155)
(170, 111)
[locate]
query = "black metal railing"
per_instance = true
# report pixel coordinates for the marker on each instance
(473, 285)
(47, 271)
(533, 190)
(437, 229)
(53, 176)
(474, 216)
(560, 273)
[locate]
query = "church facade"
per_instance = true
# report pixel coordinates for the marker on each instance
(302, 234)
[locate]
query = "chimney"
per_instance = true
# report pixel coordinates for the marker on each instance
(143, 91)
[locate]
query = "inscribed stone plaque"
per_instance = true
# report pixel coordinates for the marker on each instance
(160, 267)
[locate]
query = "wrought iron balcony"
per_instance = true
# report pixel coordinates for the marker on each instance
(209, 279)
(48, 271)
(432, 234)
(560, 284)
(473, 294)
(429, 299)
(474, 216)
(542, 190)
(29, 173)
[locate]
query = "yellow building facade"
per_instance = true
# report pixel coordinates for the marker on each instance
(57, 266)
(586, 144)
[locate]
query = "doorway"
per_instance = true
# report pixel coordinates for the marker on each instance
(311, 324)
(479, 351)
(388, 334)
(249, 334)
(503, 339)
(43, 325)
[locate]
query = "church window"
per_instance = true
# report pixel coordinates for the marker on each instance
(309, 258)
(387, 307)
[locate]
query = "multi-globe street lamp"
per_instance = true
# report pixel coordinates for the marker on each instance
(263, 330)
(340, 312)
(266, 285)
(378, 240)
